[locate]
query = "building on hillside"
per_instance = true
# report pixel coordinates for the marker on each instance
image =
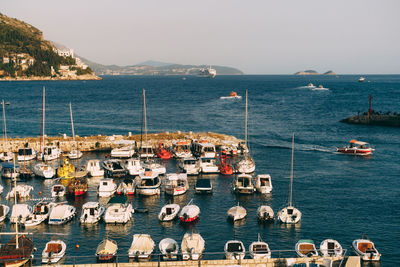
(65, 52)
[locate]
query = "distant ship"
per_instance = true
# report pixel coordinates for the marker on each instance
(207, 72)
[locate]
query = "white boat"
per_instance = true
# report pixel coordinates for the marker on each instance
(306, 248)
(290, 214)
(189, 213)
(259, 249)
(118, 211)
(320, 88)
(49, 153)
(234, 250)
(40, 213)
(107, 187)
(190, 165)
(146, 150)
(169, 212)
(9, 170)
(181, 149)
(207, 72)
(75, 154)
(265, 213)
(237, 213)
(126, 187)
(20, 212)
(149, 183)
(203, 148)
(1, 189)
(331, 248)
(365, 248)
(232, 95)
(263, 183)
(43, 170)
(4, 210)
(53, 251)
(114, 168)
(361, 79)
(124, 151)
(26, 154)
(310, 86)
(61, 213)
(21, 190)
(7, 155)
(134, 166)
(57, 190)
(209, 165)
(141, 248)
(203, 186)
(106, 250)
(169, 249)
(154, 166)
(94, 168)
(91, 212)
(176, 184)
(243, 184)
(192, 246)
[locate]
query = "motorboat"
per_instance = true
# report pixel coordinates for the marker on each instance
(259, 249)
(365, 248)
(361, 79)
(54, 251)
(25, 173)
(40, 213)
(331, 248)
(66, 169)
(15, 256)
(49, 153)
(265, 213)
(20, 213)
(106, 250)
(1, 189)
(310, 86)
(243, 184)
(320, 88)
(77, 186)
(225, 166)
(107, 187)
(134, 166)
(6, 156)
(237, 213)
(181, 149)
(189, 213)
(4, 210)
(94, 168)
(58, 190)
(75, 154)
(176, 184)
(149, 183)
(146, 150)
(190, 165)
(124, 151)
(203, 148)
(61, 213)
(9, 170)
(207, 72)
(114, 168)
(26, 154)
(232, 95)
(356, 148)
(126, 187)
(154, 166)
(203, 185)
(209, 165)
(162, 152)
(169, 249)
(21, 191)
(118, 211)
(44, 170)
(91, 212)
(263, 183)
(234, 250)
(192, 246)
(141, 248)
(245, 165)
(169, 212)
(306, 248)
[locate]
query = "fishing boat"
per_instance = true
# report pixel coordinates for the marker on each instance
(356, 148)
(331, 248)
(290, 214)
(61, 213)
(7, 155)
(169, 212)
(40, 213)
(189, 213)
(4, 210)
(149, 183)
(209, 165)
(77, 186)
(162, 152)
(203, 186)
(54, 251)
(176, 184)
(190, 165)
(126, 187)
(263, 183)
(207, 72)
(114, 168)
(192, 246)
(306, 248)
(265, 213)
(141, 248)
(26, 154)
(234, 250)
(169, 249)
(181, 149)
(243, 184)
(259, 249)
(365, 248)
(134, 166)
(203, 149)
(237, 213)
(94, 169)
(107, 187)
(232, 95)
(225, 166)
(106, 250)
(21, 191)
(58, 190)
(126, 151)
(20, 213)
(66, 169)
(118, 211)
(7, 170)
(91, 212)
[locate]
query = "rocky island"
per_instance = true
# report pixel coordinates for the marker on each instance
(313, 72)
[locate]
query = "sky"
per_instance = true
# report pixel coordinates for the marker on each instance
(255, 36)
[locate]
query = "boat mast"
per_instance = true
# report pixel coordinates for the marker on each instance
(15, 203)
(72, 121)
(291, 174)
(245, 125)
(145, 122)
(5, 125)
(43, 117)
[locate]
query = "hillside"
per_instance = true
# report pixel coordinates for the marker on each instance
(313, 72)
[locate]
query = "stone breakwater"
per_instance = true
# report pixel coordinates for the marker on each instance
(105, 143)
(382, 119)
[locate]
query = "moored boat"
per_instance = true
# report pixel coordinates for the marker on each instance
(7, 170)
(225, 166)
(189, 213)
(263, 183)
(17, 251)
(208, 165)
(91, 212)
(169, 249)
(21, 191)
(365, 248)
(259, 249)
(94, 168)
(192, 246)
(169, 212)
(243, 184)
(126, 187)
(77, 186)
(237, 213)
(49, 153)
(181, 149)
(118, 211)
(134, 166)
(20, 213)
(141, 248)
(26, 154)
(107, 187)
(356, 148)
(61, 213)
(234, 250)
(127, 151)
(146, 150)
(40, 213)
(4, 210)
(162, 152)
(58, 190)
(331, 248)
(54, 251)
(191, 166)
(203, 185)
(114, 168)
(176, 184)
(265, 213)
(44, 170)
(306, 248)
(106, 250)
(149, 183)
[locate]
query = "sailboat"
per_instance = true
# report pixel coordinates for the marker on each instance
(247, 164)
(290, 214)
(74, 153)
(6, 155)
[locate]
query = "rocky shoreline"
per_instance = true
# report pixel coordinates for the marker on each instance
(85, 77)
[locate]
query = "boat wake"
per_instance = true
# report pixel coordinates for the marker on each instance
(303, 147)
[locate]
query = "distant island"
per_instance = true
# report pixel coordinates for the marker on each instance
(313, 72)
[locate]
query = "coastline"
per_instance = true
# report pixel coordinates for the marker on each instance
(85, 77)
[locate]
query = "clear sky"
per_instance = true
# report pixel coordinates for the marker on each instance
(256, 36)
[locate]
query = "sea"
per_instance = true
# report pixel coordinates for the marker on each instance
(340, 196)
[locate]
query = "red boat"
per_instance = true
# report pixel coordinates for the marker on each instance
(13, 255)
(225, 166)
(77, 186)
(356, 148)
(162, 152)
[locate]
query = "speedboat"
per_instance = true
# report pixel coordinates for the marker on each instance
(114, 168)
(162, 152)
(106, 250)
(61, 213)
(232, 95)
(259, 249)
(21, 191)
(237, 213)
(4, 210)
(58, 190)
(243, 184)
(9, 170)
(320, 88)
(141, 248)
(189, 213)
(26, 154)
(75, 154)
(331, 248)
(169, 249)
(234, 250)
(181, 149)
(356, 148)
(192, 246)
(91, 212)
(134, 166)
(126, 187)
(203, 148)
(53, 251)
(124, 151)
(118, 211)
(20, 212)
(169, 212)
(107, 187)
(49, 153)
(365, 248)
(265, 213)
(263, 183)
(306, 248)
(203, 186)
(41, 212)
(208, 165)
(176, 184)
(149, 183)
(310, 86)
(44, 170)
(94, 168)
(190, 165)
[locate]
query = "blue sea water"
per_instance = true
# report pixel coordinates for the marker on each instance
(340, 196)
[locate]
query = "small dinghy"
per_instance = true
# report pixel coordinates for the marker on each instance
(107, 187)
(91, 212)
(141, 248)
(265, 213)
(365, 248)
(169, 212)
(331, 248)
(306, 248)
(53, 251)
(259, 249)
(106, 250)
(4, 210)
(263, 183)
(192, 246)
(20, 213)
(41, 212)
(21, 191)
(176, 184)
(169, 249)
(236, 213)
(234, 250)
(61, 214)
(126, 187)
(58, 190)
(189, 213)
